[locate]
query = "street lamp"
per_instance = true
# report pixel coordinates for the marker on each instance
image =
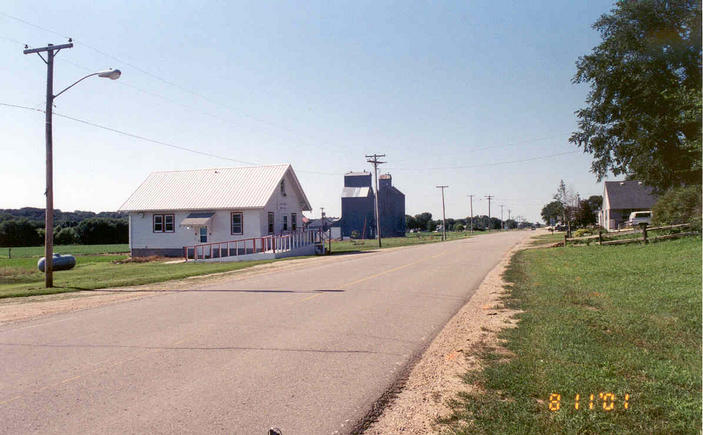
(51, 50)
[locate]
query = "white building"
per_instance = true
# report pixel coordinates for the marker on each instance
(217, 213)
(620, 198)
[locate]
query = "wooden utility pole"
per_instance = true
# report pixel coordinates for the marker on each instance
(444, 217)
(502, 222)
(51, 50)
(490, 224)
(471, 210)
(374, 159)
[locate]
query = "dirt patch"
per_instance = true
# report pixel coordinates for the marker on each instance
(149, 259)
(436, 377)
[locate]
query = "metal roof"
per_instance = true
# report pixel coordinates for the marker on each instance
(355, 192)
(629, 194)
(211, 189)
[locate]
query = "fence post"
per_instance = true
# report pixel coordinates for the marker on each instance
(600, 237)
(565, 234)
(9, 253)
(644, 233)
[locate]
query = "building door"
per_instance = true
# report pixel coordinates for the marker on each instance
(203, 234)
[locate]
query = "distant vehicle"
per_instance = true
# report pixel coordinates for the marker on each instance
(639, 218)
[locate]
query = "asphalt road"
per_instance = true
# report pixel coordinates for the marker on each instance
(308, 349)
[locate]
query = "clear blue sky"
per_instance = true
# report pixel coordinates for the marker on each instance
(445, 89)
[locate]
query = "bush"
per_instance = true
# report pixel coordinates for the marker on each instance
(355, 234)
(66, 236)
(458, 227)
(679, 205)
(583, 232)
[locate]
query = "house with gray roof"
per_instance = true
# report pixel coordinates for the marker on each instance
(218, 213)
(620, 198)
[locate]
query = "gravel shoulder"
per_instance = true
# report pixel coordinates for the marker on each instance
(436, 376)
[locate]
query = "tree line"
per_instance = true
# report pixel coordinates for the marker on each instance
(25, 227)
(424, 222)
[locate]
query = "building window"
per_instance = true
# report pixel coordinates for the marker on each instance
(270, 222)
(285, 222)
(168, 223)
(203, 234)
(237, 223)
(163, 223)
(293, 221)
(283, 187)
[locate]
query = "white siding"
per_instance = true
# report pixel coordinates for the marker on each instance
(283, 205)
(143, 237)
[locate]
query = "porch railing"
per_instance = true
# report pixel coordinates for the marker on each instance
(254, 245)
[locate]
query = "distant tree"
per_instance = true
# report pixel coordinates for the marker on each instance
(510, 224)
(19, 232)
(66, 236)
(458, 227)
(643, 112)
(495, 223)
(595, 202)
(96, 231)
(410, 222)
(552, 212)
(430, 225)
(585, 215)
(422, 220)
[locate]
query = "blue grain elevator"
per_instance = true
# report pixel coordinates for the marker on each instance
(358, 206)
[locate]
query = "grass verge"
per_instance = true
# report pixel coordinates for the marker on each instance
(19, 277)
(618, 319)
(394, 242)
(38, 251)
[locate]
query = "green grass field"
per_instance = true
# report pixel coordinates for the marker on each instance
(20, 277)
(544, 239)
(38, 251)
(393, 242)
(617, 319)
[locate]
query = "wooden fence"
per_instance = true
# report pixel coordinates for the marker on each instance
(602, 237)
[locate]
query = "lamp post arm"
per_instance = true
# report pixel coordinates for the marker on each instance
(75, 83)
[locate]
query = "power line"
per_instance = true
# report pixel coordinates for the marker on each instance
(263, 121)
(147, 139)
(488, 164)
(161, 79)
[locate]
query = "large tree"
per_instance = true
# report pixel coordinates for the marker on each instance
(643, 113)
(552, 212)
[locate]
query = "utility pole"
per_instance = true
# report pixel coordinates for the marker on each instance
(489, 211)
(502, 222)
(374, 159)
(471, 208)
(444, 218)
(51, 50)
(508, 214)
